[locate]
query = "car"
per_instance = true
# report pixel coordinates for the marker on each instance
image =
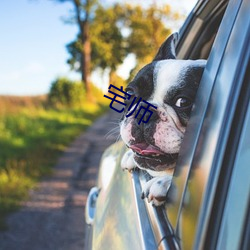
(208, 203)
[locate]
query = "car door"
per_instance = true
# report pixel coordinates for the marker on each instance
(210, 164)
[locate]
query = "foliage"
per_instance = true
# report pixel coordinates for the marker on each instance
(74, 49)
(119, 30)
(108, 46)
(107, 43)
(147, 30)
(67, 93)
(31, 138)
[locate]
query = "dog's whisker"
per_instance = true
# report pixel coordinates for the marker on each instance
(118, 138)
(116, 122)
(111, 135)
(112, 132)
(113, 129)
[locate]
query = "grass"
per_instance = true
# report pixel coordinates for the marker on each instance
(31, 139)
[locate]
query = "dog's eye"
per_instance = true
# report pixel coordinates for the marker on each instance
(183, 102)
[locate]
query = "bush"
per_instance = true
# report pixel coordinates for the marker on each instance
(65, 92)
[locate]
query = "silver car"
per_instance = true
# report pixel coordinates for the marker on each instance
(208, 203)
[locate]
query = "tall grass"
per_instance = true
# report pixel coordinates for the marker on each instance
(31, 139)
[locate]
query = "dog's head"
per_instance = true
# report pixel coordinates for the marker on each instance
(170, 85)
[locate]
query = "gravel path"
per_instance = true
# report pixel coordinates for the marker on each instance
(53, 218)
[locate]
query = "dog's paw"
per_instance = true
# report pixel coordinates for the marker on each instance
(156, 189)
(127, 162)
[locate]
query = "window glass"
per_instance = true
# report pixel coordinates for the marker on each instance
(236, 206)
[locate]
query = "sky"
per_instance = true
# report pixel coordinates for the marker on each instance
(32, 44)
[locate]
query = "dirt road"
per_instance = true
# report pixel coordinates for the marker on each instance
(53, 218)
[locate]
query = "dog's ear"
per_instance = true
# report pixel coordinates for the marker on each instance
(167, 49)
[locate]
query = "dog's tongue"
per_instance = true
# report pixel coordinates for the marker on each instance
(145, 149)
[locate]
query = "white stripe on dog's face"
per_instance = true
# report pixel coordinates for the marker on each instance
(169, 74)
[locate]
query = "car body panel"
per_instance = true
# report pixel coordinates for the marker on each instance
(117, 225)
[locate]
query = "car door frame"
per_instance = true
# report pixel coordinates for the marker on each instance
(198, 138)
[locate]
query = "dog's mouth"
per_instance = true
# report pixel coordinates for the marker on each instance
(151, 157)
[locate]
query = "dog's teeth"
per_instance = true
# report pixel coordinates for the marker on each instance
(155, 155)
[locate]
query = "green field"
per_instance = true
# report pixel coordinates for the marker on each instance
(32, 136)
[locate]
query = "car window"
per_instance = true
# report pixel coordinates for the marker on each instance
(208, 130)
(192, 132)
(198, 34)
(202, 23)
(235, 211)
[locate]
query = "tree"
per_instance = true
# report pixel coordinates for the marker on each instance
(147, 32)
(108, 48)
(119, 30)
(108, 44)
(83, 15)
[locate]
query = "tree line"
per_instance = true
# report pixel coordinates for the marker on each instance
(107, 34)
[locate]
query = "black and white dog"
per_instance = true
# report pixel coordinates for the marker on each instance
(170, 85)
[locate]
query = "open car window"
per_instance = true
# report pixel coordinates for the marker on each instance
(195, 42)
(197, 173)
(201, 23)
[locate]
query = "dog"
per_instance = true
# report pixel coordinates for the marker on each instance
(169, 84)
